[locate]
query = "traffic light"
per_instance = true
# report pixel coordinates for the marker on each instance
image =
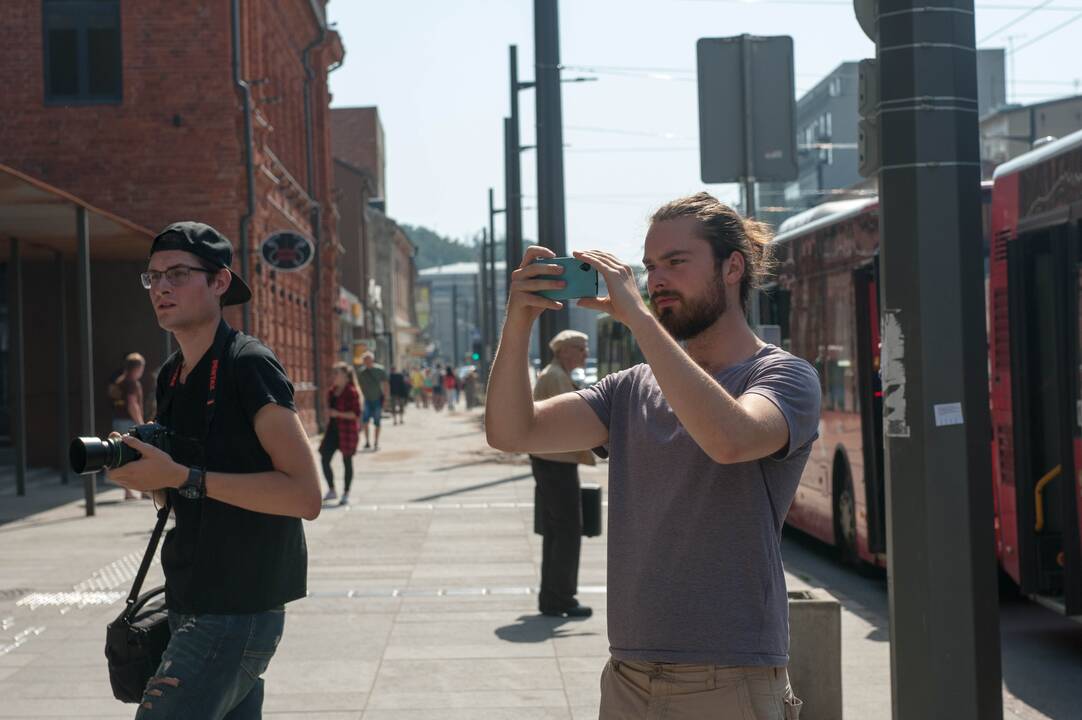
(868, 127)
(476, 356)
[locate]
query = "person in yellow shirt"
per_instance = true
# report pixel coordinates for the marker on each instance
(417, 386)
(558, 491)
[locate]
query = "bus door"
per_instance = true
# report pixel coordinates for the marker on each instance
(1045, 355)
(866, 284)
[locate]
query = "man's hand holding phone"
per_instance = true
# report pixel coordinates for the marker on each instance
(624, 302)
(531, 277)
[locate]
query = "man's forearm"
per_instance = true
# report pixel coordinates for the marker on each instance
(713, 418)
(272, 492)
(509, 407)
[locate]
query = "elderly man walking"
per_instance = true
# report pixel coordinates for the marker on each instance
(558, 492)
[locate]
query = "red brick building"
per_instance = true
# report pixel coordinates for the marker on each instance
(160, 111)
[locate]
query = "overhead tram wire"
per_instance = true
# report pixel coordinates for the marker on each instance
(1014, 22)
(1045, 34)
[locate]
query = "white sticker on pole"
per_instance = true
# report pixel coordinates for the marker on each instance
(892, 362)
(948, 414)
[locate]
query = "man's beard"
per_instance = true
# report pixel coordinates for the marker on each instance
(695, 316)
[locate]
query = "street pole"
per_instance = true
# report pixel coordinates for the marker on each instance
(454, 325)
(482, 270)
(511, 203)
(513, 165)
(749, 163)
(491, 300)
(86, 346)
(551, 221)
(63, 420)
(945, 650)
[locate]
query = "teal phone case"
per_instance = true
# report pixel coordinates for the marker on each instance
(581, 279)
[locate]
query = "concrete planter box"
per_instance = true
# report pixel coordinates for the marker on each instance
(815, 653)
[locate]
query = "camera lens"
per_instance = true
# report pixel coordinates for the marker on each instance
(89, 454)
(585, 267)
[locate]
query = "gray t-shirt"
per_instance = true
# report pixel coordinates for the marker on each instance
(695, 570)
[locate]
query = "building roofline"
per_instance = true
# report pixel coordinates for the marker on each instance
(1006, 109)
(823, 215)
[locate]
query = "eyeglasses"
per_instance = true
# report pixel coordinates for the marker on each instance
(177, 275)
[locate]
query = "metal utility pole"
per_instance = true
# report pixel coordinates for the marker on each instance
(63, 424)
(482, 270)
(86, 348)
(513, 171)
(454, 325)
(18, 366)
(945, 652)
(491, 299)
(749, 160)
(551, 221)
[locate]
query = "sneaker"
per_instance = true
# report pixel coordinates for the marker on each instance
(344, 500)
(375, 448)
(367, 446)
(331, 495)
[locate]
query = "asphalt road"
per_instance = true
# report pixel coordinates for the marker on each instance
(1041, 650)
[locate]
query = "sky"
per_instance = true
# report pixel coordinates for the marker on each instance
(438, 72)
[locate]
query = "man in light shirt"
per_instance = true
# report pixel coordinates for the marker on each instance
(558, 492)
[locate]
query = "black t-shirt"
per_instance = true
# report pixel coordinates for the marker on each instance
(220, 558)
(398, 384)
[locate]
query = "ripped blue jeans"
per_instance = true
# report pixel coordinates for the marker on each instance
(213, 667)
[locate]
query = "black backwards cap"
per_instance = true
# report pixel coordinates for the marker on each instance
(208, 244)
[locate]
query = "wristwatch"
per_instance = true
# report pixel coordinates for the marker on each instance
(195, 487)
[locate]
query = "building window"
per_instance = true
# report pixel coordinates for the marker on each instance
(835, 87)
(82, 51)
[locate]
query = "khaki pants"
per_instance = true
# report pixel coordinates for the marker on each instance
(670, 691)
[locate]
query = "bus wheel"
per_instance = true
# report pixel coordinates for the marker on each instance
(845, 514)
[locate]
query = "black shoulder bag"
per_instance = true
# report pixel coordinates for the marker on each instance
(135, 641)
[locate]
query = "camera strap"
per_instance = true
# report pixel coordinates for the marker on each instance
(222, 338)
(148, 556)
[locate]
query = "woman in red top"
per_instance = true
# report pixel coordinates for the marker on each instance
(343, 429)
(450, 385)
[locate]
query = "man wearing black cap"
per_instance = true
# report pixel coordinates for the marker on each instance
(237, 553)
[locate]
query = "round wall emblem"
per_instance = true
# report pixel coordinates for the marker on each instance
(287, 251)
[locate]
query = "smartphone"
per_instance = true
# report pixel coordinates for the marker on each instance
(581, 279)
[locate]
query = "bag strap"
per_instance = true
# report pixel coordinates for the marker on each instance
(148, 556)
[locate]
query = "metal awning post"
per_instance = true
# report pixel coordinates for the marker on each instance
(63, 400)
(18, 369)
(86, 349)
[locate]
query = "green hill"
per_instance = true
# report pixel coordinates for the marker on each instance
(434, 249)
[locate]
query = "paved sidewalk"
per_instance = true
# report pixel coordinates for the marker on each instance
(422, 604)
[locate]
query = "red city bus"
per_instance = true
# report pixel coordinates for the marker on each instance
(825, 302)
(1035, 339)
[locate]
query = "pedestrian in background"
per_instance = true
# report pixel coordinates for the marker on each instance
(558, 489)
(469, 389)
(343, 429)
(417, 386)
(126, 396)
(450, 387)
(439, 390)
(400, 395)
(373, 381)
(707, 441)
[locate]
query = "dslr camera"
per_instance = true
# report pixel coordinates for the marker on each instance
(91, 455)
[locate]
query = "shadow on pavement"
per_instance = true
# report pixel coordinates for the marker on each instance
(471, 488)
(44, 492)
(538, 628)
